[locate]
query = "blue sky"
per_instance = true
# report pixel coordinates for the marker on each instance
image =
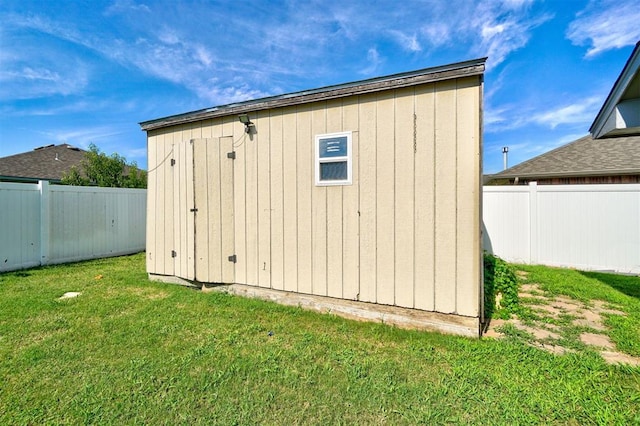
(90, 71)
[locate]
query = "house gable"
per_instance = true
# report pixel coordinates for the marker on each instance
(620, 114)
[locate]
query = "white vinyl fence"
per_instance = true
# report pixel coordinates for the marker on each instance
(45, 224)
(589, 227)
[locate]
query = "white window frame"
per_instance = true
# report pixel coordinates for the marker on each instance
(347, 158)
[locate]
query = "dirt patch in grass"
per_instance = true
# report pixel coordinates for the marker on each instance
(559, 324)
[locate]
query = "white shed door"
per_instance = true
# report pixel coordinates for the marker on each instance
(213, 210)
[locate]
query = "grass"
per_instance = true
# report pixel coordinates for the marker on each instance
(620, 291)
(132, 351)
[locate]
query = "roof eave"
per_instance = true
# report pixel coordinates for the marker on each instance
(612, 172)
(396, 81)
(24, 179)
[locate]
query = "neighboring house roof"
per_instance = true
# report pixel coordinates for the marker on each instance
(620, 113)
(395, 81)
(584, 157)
(44, 163)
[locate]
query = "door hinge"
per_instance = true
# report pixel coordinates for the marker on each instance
(233, 258)
(173, 253)
(193, 210)
(173, 162)
(231, 155)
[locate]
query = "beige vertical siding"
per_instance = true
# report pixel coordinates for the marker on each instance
(404, 189)
(334, 211)
(468, 195)
(277, 200)
(181, 202)
(425, 207)
(262, 139)
(445, 197)
(214, 200)
(350, 213)
(305, 181)
(405, 233)
(290, 199)
(368, 195)
(319, 210)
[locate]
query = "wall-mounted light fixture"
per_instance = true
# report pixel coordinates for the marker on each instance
(244, 119)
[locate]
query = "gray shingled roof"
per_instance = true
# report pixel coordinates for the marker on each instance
(583, 157)
(44, 163)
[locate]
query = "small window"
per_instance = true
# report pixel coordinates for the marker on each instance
(333, 159)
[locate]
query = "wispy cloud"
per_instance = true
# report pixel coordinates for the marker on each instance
(606, 25)
(509, 117)
(120, 6)
(373, 62)
(19, 80)
(407, 42)
(582, 111)
(502, 28)
(227, 55)
(82, 137)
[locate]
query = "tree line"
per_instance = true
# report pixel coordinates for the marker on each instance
(100, 169)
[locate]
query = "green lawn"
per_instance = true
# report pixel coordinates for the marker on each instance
(132, 351)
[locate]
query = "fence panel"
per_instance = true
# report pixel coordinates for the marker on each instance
(19, 226)
(44, 224)
(594, 227)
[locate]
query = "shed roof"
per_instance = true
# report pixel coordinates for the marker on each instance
(583, 157)
(394, 81)
(45, 163)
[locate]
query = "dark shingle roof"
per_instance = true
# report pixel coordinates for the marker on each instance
(583, 157)
(44, 163)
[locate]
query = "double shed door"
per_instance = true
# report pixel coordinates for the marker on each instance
(203, 185)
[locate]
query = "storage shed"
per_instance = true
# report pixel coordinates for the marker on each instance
(362, 198)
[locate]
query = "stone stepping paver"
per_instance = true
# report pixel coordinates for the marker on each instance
(619, 358)
(583, 322)
(599, 340)
(586, 316)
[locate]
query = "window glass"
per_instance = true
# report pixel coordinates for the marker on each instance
(333, 159)
(333, 171)
(333, 147)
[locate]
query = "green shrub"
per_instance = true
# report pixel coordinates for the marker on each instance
(500, 288)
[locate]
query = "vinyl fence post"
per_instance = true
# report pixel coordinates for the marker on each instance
(533, 223)
(45, 233)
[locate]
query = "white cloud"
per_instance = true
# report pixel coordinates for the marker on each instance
(438, 33)
(228, 55)
(503, 28)
(373, 60)
(606, 25)
(495, 116)
(509, 117)
(21, 81)
(409, 43)
(123, 6)
(490, 28)
(220, 94)
(80, 137)
(582, 111)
